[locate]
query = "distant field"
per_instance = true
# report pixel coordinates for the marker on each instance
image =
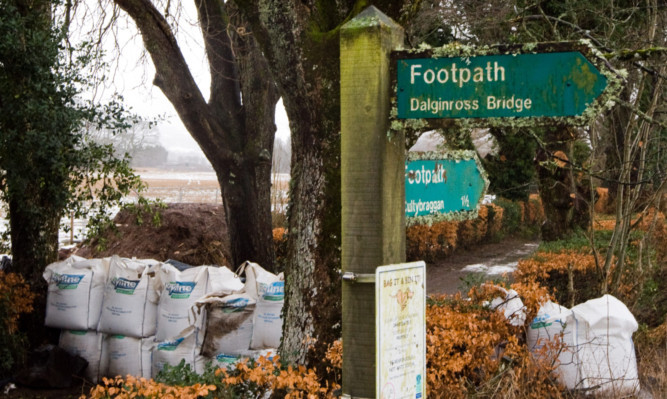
(178, 186)
(173, 186)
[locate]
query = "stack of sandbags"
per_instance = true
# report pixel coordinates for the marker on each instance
(129, 316)
(179, 335)
(245, 323)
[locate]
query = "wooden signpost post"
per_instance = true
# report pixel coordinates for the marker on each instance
(552, 83)
(372, 191)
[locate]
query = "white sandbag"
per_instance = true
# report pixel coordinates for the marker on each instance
(131, 297)
(229, 323)
(267, 325)
(172, 352)
(257, 279)
(75, 293)
(598, 353)
(511, 305)
(555, 323)
(221, 280)
(128, 356)
(180, 291)
(88, 345)
(606, 352)
(267, 320)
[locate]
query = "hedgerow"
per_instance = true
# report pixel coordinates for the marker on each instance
(504, 217)
(16, 299)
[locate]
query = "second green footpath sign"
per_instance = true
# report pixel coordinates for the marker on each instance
(440, 184)
(558, 84)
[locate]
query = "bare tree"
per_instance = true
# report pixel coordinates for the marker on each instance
(235, 126)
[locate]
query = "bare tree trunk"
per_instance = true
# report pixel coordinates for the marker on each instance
(235, 128)
(553, 175)
(301, 42)
(34, 238)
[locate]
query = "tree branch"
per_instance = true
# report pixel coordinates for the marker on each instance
(624, 55)
(175, 80)
(225, 95)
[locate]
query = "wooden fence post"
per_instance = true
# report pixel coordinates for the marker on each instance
(373, 192)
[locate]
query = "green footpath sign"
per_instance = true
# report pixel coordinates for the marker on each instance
(559, 84)
(437, 185)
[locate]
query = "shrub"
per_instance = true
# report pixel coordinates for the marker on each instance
(512, 217)
(15, 299)
(473, 350)
(132, 387)
(430, 242)
(248, 379)
(280, 247)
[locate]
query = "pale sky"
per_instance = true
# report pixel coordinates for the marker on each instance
(133, 73)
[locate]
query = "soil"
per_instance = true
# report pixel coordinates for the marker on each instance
(75, 392)
(195, 234)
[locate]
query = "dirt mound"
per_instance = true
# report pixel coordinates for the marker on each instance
(195, 234)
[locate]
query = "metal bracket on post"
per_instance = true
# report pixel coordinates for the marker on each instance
(358, 277)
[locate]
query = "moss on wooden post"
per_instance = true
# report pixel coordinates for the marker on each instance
(373, 192)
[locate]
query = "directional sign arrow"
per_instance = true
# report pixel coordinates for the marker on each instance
(559, 84)
(437, 185)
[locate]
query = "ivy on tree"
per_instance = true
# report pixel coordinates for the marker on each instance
(48, 165)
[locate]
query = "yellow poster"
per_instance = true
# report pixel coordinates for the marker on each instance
(400, 298)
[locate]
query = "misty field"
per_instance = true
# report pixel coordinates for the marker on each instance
(171, 186)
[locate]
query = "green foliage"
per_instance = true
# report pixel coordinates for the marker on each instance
(579, 241)
(99, 223)
(48, 164)
(512, 171)
(580, 153)
(16, 299)
(183, 375)
(511, 215)
(576, 241)
(12, 351)
(471, 280)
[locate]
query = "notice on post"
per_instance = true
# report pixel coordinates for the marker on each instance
(400, 297)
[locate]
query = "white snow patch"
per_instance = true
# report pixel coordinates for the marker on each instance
(495, 270)
(476, 268)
